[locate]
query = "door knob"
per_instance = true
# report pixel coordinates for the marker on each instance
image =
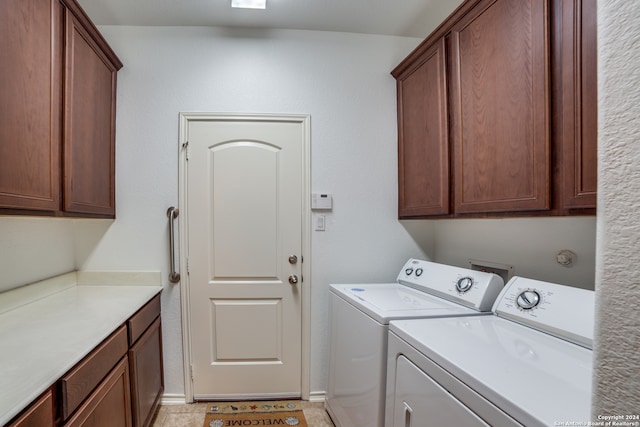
(293, 259)
(293, 279)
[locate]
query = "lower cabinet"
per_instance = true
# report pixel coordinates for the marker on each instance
(110, 404)
(147, 385)
(118, 384)
(39, 414)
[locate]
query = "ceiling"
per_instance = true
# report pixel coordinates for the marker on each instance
(410, 18)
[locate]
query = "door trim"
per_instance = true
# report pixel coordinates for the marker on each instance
(183, 226)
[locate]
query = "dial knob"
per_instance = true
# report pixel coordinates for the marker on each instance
(528, 299)
(464, 284)
(408, 271)
(418, 272)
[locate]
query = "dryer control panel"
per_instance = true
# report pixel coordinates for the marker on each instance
(471, 288)
(563, 311)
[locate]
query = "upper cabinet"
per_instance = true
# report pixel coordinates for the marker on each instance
(30, 110)
(500, 107)
(57, 127)
(578, 102)
(423, 130)
(514, 132)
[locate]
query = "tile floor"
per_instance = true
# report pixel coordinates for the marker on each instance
(192, 415)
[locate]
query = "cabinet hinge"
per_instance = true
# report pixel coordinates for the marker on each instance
(185, 147)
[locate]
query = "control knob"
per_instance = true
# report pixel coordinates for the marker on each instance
(464, 284)
(408, 271)
(528, 299)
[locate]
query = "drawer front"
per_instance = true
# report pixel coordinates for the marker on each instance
(139, 322)
(78, 384)
(39, 414)
(110, 404)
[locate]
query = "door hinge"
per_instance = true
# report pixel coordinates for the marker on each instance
(191, 369)
(188, 266)
(185, 147)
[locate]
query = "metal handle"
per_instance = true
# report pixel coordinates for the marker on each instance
(293, 279)
(174, 276)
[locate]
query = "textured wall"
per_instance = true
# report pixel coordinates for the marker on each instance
(617, 355)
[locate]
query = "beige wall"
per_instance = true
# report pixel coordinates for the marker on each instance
(617, 348)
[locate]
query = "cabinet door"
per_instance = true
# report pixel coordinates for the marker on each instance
(147, 381)
(89, 128)
(579, 105)
(110, 404)
(30, 113)
(39, 414)
(500, 107)
(423, 143)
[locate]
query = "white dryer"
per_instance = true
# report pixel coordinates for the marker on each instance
(529, 364)
(359, 316)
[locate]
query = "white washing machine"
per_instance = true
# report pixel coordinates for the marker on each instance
(359, 316)
(529, 364)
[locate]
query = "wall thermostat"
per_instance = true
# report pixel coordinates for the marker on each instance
(322, 201)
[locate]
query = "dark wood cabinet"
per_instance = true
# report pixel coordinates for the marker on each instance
(38, 414)
(423, 149)
(500, 107)
(89, 128)
(110, 404)
(578, 102)
(30, 111)
(147, 381)
(80, 382)
(57, 118)
(145, 361)
(519, 114)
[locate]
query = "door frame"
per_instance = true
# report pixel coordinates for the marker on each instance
(183, 226)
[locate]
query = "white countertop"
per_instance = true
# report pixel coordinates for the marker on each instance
(44, 337)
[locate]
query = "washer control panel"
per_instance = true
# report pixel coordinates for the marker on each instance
(563, 311)
(471, 288)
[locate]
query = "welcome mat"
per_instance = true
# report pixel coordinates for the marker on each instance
(253, 406)
(258, 413)
(278, 418)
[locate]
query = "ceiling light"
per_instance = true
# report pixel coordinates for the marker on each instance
(249, 4)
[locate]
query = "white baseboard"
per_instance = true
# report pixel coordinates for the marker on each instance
(180, 399)
(173, 399)
(317, 396)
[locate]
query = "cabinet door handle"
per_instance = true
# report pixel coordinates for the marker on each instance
(174, 276)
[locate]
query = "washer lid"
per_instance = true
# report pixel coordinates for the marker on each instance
(536, 378)
(388, 301)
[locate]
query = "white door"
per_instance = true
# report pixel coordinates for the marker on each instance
(244, 218)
